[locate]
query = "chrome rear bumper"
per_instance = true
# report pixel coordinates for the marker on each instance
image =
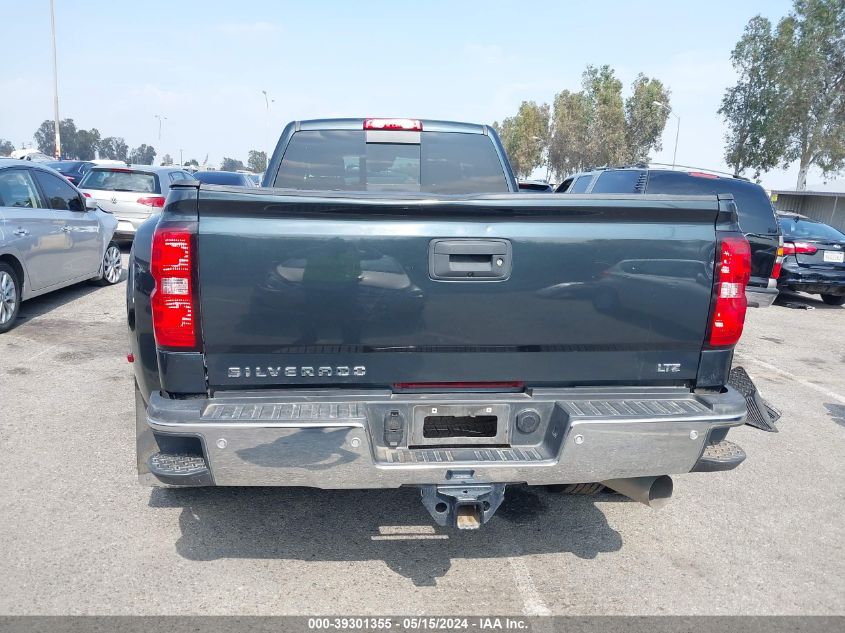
(339, 440)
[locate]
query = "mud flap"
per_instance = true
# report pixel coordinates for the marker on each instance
(761, 415)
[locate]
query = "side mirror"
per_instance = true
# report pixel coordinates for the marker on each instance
(90, 204)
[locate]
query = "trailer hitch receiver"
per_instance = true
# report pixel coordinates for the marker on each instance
(466, 506)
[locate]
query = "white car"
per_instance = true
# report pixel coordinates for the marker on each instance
(51, 236)
(132, 193)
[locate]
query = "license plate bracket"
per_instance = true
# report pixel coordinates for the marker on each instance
(469, 424)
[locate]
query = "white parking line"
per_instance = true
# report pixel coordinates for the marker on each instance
(43, 351)
(790, 375)
(532, 603)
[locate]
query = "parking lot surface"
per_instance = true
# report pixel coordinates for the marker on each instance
(78, 535)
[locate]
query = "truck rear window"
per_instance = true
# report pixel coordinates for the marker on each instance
(120, 180)
(342, 160)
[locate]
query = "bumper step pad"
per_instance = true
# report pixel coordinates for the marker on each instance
(180, 469)
(722, 456)
(761, 415)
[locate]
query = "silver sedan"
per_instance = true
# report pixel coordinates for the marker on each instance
(51, 236)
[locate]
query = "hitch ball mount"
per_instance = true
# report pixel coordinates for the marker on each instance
(466, 506)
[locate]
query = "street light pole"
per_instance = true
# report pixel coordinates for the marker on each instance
(55, 82)
(267, 102)
(159, 117)
(677, 129)
(677, 133)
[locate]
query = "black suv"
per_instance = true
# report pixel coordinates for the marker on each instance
(756, 213)
(73, 170)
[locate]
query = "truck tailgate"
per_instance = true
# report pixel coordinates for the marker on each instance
(373, 290)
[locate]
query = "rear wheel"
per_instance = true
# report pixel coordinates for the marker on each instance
(834, 300)
(10, 297)
(112, 265)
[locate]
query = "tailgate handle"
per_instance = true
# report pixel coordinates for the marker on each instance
(470, 260)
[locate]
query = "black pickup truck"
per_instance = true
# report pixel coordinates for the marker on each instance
(388, 310)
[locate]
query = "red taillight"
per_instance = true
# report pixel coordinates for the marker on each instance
(733, 269)
(152, 201)
(173, 299)
(408, 125)
(802, 248)
(87, 195)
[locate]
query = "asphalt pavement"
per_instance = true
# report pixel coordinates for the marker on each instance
(78, 535)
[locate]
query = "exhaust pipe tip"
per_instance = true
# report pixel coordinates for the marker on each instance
(660, 492)
(654, 492)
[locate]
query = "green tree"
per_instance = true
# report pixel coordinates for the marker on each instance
(6, 147)
(570, 133)
(526, 137)
(257, 161)
(644, 121)
(752, 108)
(191, 162)
(606, 137)
(167, 160)
(231, 164)
(142, 155)
(114, 148)
(789, 103)
(85, 145)
(45, 136)
(813, 41)
(589, 128)
(76, 144)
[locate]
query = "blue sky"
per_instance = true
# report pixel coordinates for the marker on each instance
(203, 65)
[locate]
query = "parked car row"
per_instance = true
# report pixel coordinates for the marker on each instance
(135, 192)
(61, 221)
(51, 236)
(789, 251)
(132, 194)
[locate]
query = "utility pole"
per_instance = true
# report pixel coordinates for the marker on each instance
(160, 118)
(181, 162)
(267, 102)
(58, 154)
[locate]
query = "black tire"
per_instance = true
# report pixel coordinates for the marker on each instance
(109, 277)
(10, 297)
(834, 300)
(576, 489)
